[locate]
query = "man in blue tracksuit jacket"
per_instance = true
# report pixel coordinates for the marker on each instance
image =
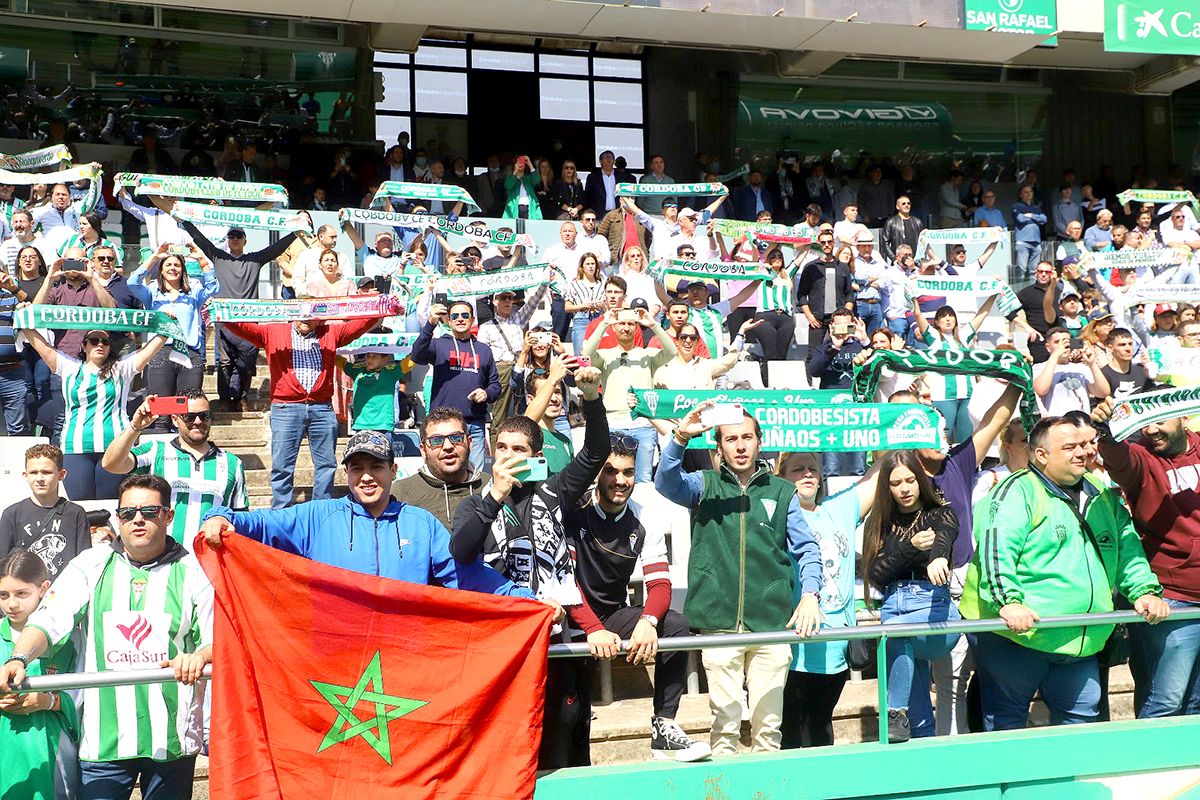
(368, 532)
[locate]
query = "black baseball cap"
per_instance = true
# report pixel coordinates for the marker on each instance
(373, 443)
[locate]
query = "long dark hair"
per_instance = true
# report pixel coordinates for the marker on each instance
(93, 219)
(24, 566)
(184, 288)
(40, 258)
(884, 510)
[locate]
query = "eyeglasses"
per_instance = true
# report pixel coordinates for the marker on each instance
(626, 443)
(96, 340)
(460, 315)
(191, 416)
(439, 440)
(105, 258)
(127, 513)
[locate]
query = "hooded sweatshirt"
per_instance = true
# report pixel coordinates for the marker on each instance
(405, 543)
(435, 495)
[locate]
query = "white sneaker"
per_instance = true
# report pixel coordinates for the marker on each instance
(668, 742)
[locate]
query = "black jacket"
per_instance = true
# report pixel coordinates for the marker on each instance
(523, 538)
(594, 195)
(896, 233)
(810, 287)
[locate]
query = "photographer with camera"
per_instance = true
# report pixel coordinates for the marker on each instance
(1070, 376)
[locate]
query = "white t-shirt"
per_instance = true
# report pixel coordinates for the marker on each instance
(846, 231)
(1069, 392)
(1186, 236)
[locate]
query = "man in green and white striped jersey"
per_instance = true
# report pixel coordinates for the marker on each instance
(201, 475)
(142, 602)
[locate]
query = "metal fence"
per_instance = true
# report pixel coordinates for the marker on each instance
(880, 633)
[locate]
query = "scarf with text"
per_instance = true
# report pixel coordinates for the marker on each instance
(953, 284)
(202, 188)
(736, 227)
(1006, 365)
(961, 236)
(232, 217)
(713, 270)
(1163, 293)
(1156, 196)
(394, 344)
(327, 308)
(671, 189)
(84, 172)
(444, 192)
(86, 318)
(480, 284)
(466, 228)
(36, 159)
(1136, 411)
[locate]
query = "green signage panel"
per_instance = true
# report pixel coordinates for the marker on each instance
(1152, 26)
(1013, 16)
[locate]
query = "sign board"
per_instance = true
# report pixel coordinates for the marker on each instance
(1013, 16)
(1152, 26)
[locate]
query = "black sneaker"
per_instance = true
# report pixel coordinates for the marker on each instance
(668, 742)
(898, 725)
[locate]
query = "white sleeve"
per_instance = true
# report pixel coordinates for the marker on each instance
(66, 366)
(202, 601)
(67, 599)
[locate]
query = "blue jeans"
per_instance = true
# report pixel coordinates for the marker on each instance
(908, 659)
(1011, 674)
(478, 444)
(958, 421)
(16, 385)
(647, 439)
(1026, 258)
(114, 780)
(901, 327)
(843, 463)
(87, 480)
(290, 422)
(579, 325)
(872, 315)
(1169, 675)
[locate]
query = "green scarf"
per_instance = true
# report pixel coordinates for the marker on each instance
(1155, 196)
(961, 236)
(86, 318)
(671, 404)
(479, 284)
(471, 229)
(1008, 365)
(233, 217)
(736, 227)
(356, 307)
(202, 188)
(672, 189)
(84, 172)
(388, 343)
(36, 159)
(1139, 410)
(423, 191)
(713, 270)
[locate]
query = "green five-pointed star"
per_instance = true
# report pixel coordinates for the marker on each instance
(375, 729)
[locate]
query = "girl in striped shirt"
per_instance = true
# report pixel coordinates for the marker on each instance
(776, 305)
(951, 393)
(90, 236)
(95, 387)
(585, 298)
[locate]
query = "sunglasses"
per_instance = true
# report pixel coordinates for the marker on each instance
(127, 513)
(687, 337)
(461, 315)
(688, 254)
(440, 439)
(96, 340)
(626, 443)
(105, 258)
(191, 416)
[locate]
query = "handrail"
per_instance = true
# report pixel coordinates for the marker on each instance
(88, 680)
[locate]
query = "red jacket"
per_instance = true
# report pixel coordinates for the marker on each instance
(276, 339)
(1164, 494)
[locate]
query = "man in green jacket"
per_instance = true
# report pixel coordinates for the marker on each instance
(1051, 540)
(748, 537)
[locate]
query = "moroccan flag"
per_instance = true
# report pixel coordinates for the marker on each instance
(332, 684)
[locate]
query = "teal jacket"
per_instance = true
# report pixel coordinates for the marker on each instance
(513, 193)
(1031, 549)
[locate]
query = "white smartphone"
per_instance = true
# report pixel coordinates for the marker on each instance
(722, 414)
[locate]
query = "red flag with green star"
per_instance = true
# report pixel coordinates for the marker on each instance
(332, 684)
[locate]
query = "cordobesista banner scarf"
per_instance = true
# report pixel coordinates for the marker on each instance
(233, 217)
(672, 189)
(36, 159)
(812, 426)
(472, 229)
(84, 318)
(714, 270)
(84, 172)
(445, 192)
(366, 305)
(1136, 411)
(1007, 365)
(1155, 196)
(393, 344)
(202, 188)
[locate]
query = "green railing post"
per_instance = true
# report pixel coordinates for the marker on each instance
(881, 682)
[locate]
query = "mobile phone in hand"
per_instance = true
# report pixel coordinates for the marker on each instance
(441, 300)
(178, 250)
(74, 265)
(166, 406)
(534, 469)
(722, 414)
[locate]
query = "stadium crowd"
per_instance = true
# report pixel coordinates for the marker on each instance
(534, 439)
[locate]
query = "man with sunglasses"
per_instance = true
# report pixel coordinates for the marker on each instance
(237, 272)
(142, 602)
(446, 478)
(103, 262)
(592, 241)
(201, 475)
(822, 288)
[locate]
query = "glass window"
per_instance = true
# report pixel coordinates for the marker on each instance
(392, 58)
(628, 142)
(617, 68)
(863, 68)
(397, 91)
(441, 92)
(565, 65)
(914, 71)
(618, 102)
(563, 98)
(387, 128)
(431, 56)
(498, 59)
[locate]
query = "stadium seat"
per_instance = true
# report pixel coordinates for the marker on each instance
(408, 465)
(12, 455)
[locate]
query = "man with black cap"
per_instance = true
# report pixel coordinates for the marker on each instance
(396, 540)
(237, 272)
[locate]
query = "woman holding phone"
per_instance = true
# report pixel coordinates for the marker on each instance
(541, 346)
(521, 190)
(96, 390)
(162, 284)
(776, 309)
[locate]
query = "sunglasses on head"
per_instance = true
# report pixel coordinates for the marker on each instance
(440, 439)
(191, 416)
(460, 315)
(626, 443)
(127, 513)
(96, 340)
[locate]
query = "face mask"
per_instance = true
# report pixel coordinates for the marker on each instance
(421, 161)
(493, 170)
(460, 172)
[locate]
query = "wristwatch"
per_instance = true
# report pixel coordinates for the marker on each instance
(653, 620)
(24, 659)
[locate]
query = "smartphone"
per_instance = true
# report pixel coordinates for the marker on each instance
(534, 469)
(543, 338)
(722, 414)
(74, 265)
(843, 329)
(470, 261)
(1076, 343)
(583, 361)
(178, 250)
(441, 299)
(627, 315)
(165, 406)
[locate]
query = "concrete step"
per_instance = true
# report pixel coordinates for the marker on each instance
(302, 477)
(255, 451)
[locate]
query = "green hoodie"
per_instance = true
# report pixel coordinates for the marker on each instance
(1031, 549)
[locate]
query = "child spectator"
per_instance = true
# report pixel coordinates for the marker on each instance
(51, 527)
(380, 392)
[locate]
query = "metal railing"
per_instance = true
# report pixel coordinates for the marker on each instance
(881, 633)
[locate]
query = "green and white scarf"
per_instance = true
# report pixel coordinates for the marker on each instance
(953, 284)
(713, 270)
(466, 228)
(395, 344)
(736, 227)
(36, 159)
(1007, 365)
(1127, 258)
(444, 192)
(480, 284)
(740, 172)
(672, 404)
(1155, 196)
(1163, 293)
(961, 236)
(1139, 410)
(357, 307)
(84, 172)
(671, 189)
(202, 188)
(230, 216)
(85, 318)
(1175, 361)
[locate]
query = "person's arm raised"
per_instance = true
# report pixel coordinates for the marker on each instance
(118, 458)
(994, 421)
